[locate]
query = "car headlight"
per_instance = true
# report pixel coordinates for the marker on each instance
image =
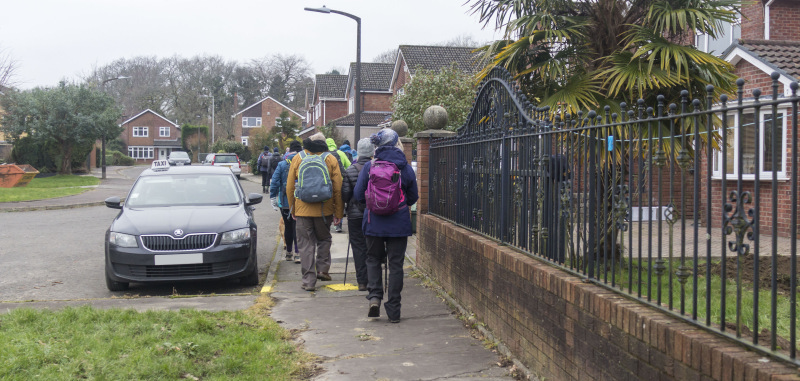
(235, 236)
(122, 240)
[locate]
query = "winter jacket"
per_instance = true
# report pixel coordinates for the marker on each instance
(263, 161)
(334, 205)
(355, 209)
(277, 185)
(399, 223)
(342, 156)
(347, 151)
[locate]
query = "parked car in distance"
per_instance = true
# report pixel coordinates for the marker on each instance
(182, 223)
(230, 160)
(179, 158)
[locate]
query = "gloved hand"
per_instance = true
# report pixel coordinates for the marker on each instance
(274, 202)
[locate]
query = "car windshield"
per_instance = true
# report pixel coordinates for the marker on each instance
(225, 159)
(182, 190)
(179, 155)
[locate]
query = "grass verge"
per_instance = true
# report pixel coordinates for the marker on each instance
(48, 187)
(85, 342)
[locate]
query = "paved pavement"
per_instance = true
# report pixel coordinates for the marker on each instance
(430, 342)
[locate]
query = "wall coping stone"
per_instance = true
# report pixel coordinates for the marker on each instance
(434, 134)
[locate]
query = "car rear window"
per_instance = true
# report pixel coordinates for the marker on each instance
(179, 155)
(183, 190)
(225, 159)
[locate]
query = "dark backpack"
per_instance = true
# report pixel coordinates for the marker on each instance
(313, 180)
(274, 160)
(384, 194)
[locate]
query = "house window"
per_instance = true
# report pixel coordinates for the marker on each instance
(742, 146)
(163, 132)
(729, 33)
(251, 122)
(140, 132)
(401, 91)
(140, 152)
(245, 140)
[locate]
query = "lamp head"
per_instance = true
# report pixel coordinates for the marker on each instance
(324, 9)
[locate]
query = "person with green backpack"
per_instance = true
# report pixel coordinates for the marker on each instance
(314, 193)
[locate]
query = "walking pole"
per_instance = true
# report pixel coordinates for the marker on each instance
(346, 259)
(386, 272)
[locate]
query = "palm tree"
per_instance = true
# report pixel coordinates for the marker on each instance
(586, 55)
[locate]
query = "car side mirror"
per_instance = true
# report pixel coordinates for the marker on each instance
(113, 202)
(254, 198)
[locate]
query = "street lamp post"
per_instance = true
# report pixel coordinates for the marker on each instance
(357, 116)
(213, 126)
(103, 141)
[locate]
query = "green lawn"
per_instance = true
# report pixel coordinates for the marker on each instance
(49, 187)
(89, 343)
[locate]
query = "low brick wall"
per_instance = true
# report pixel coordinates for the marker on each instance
(564, 329)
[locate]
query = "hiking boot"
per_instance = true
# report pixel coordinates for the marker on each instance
(362, 287)
(324, 276)
(394, 320)
(289, 256)
(296, 258)
(308, 288)
(374, 308)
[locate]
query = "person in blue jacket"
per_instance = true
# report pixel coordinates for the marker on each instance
(387, 235)
(277, 195)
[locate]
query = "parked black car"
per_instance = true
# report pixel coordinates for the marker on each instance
(182, 223)
(179, 158)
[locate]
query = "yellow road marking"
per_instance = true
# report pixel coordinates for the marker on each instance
(342, 287)
(266, 289)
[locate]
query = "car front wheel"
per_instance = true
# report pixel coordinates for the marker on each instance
(251, 279)
(114, 285)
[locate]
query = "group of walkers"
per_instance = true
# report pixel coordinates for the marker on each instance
(315, 183)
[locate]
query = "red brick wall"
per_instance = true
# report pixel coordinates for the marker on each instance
(328, 111)
(153, 122)
(562, 328)
(403, 77)
(784, 20)
(753, 20)
(376, 102)
(268, 110)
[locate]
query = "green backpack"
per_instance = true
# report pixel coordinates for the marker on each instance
(313, 180)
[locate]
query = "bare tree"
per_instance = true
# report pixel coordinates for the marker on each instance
(287, 77)
(8, 65)
(388, 56)
(462, 41)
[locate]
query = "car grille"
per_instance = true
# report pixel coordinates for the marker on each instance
(168, 243)
(178, 271)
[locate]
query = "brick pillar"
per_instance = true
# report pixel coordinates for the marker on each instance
(408, 147)
(423, 159)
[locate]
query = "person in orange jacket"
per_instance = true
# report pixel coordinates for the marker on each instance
(314, 220)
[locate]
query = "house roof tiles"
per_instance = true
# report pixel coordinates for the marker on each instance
(330, 86)
(374, 76)
(436, 57)
(780, 54)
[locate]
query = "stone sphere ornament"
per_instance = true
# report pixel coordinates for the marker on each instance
(401, 127)
(435, 118)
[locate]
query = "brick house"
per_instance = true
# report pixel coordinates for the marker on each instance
(770, 42)
(262, 114)
(376, 100)
(148, 136)
(329, 101)
(411, 58)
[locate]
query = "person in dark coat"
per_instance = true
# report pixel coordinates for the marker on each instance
(274, 160)
(355, 212)
(263, 168)
(387, 235)
(277, 196)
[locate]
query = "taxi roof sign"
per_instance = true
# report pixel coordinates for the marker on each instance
(159, 165)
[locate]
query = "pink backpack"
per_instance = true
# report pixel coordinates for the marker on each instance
(384, 194)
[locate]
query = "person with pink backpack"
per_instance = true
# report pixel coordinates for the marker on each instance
(388, 186)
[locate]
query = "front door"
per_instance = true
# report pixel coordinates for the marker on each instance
(162, 154)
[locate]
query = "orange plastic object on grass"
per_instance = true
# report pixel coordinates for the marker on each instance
(16, 175)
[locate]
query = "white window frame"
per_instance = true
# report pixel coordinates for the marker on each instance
(784, 113)
(246, 121)
(141, 152)
(163, 132)
(141, 132)
(245, 141)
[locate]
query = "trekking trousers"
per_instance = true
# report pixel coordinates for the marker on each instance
(394, 249)
(314, 243)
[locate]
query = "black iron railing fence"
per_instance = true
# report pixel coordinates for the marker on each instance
(648, 202)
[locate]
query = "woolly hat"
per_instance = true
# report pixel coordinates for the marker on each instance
(317, 136)
(365, 148)
(276, 149)
(295, 146)
(384, 137)
(266, 148)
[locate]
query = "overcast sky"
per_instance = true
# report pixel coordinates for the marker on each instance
(55, 39)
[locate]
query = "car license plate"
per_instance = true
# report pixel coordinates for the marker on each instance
(179, 163)
(227, 166)
(178, 259)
